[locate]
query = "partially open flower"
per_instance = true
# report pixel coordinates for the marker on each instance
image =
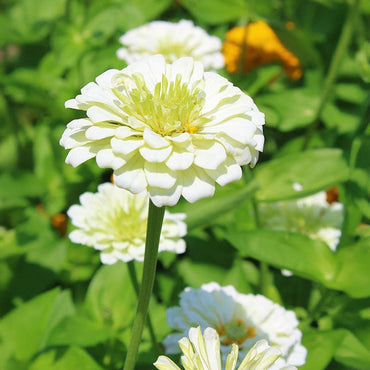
(170, 129)
(313, 216)
(241, 319)
(258, 44)
(114, 221)
(173, 41)
(202, 352)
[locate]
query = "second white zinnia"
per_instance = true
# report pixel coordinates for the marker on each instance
(114, 221)
(173, 41)
(170, 129)
(241, 319)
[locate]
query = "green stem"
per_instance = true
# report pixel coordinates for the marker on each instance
(135, 284)
(155, 220)
(342, 46)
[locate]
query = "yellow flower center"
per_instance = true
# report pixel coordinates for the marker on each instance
(235, 332)
(172, 50)
(173, 107)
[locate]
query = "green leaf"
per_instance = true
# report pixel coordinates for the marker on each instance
(315, 170)
(343, 121)
(25, 330)
(216, 11)
(78, 331)
(110, 298)
(349, 92)
(353, 269)
(296, 108)
(226, 199)
(73, 358)
(305, 257)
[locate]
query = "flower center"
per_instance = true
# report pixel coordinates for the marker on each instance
(172, 50)
(235, 332)
(173, 107)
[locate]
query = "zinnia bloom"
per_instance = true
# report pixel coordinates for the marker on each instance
(313, 216)
(258, 44)
(170, 129)
(241, 319)
(114, 221)
(173, 41)
(202, 352)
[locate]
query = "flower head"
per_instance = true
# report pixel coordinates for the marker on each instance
(202, 352)
(313, 216)
(241, 319)
(170, 129)
(114, 221)
(173, 41)
(259, 45)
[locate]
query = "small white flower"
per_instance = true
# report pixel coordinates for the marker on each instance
(202, 352)
(170, 129)
(312, 216)
(241, 319)
(114, 221)
(173, 41)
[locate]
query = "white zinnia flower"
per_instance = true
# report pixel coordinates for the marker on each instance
(114, 221)
(202, 352)
(173, 41)
(313, 216)
(240, 319)
(170, 129)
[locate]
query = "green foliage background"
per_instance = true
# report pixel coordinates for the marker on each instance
(60, 308)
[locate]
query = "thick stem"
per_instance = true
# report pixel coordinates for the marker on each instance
(155, 220)
(342, 46)
(135, 284)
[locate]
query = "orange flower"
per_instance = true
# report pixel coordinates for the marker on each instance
(59, 221)
(260, 45)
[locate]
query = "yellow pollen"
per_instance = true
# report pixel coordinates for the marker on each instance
(235, 332)
(191, 129)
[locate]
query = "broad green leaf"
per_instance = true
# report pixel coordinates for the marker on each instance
(216, 11)
(353, 269)
(314, 169)
(321, 347)
(110, 298)
(305, 257)
(341, 120)
(352, 352)
(349, 92)
(25, 330)
(296, 108)
(226, 199)
(78, 331)
(73, 358)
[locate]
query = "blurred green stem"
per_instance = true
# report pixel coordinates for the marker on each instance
(342, 46)
(264, 267)
(135, 284)
(155, 220)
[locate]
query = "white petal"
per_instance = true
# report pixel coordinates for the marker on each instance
(155, 155)
(165, 197)
(209, 155)
(126, 146)
(107, 159)
(158, 175)
(179, 159)
(131, 176)
(98, 114)
(196, 184)
(79, 155)
(154, 140)
(107, 258)
(97, 133)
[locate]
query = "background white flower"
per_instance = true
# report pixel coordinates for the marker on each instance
(170, 129)
(202, 352)
(240, 319)
(114, 221)
(313, 216)
(173, 41)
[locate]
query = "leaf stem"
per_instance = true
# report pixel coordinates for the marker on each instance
(135, 284)
(155, 220)
(342, 46)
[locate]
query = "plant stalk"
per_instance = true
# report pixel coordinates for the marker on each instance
(342, 46)
(155, 220)
(135, 284)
